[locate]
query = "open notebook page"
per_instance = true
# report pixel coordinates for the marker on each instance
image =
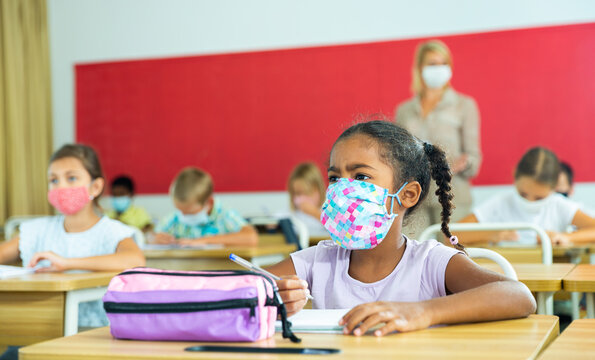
(7, 271)
(316, 321)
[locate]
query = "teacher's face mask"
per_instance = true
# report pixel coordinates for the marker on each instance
(436, 76)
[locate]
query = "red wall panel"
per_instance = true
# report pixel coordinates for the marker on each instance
(248, 118)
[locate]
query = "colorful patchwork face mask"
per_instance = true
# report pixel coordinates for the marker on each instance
(355, 214)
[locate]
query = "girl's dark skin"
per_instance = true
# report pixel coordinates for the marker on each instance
(477, 294)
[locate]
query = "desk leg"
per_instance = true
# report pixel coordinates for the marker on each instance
(545, 302)
(590, 306)
(575, 298)
(71, 307)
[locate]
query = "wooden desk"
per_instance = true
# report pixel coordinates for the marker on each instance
(532, 254)
(544, 280)
(217, 259)
(571, 253)
(38, 307)
(581, 279)
(576, 342)
(511, 339)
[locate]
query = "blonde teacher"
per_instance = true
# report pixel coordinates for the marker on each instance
(442, 116)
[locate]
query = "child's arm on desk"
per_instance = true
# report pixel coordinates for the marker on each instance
(478, 295)
(585, 233)
(247, 236)
(127, 255)
(9, 251)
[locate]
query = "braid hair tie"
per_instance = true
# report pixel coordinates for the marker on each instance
(454, 240)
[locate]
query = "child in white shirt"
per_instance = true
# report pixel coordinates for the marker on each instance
(535, 201)
(81, 238)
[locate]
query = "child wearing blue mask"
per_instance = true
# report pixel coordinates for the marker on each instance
(533, 200)
(379, 174)
(199, 218)
(123, 209)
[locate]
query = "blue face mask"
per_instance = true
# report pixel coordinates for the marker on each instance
(198, 219)
(121, 203)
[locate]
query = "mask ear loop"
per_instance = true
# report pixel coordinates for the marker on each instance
(396, 195)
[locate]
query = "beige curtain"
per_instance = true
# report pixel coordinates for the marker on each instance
(25, 108)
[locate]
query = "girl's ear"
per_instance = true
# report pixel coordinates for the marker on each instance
(96, 187)
(410, 194)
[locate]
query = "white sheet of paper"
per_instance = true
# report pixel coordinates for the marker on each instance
(7, 271)
(316, 321)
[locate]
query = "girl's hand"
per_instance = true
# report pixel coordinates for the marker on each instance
(559, 239)
(396, 316)
(293, 292)
(164, 238)
(59, 263)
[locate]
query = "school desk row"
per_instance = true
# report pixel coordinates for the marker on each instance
(529, 338)
(568, 253)
(45, 306)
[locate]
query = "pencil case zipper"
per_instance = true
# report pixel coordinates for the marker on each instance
(161, 308)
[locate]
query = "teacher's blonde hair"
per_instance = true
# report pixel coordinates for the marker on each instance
(421, 51)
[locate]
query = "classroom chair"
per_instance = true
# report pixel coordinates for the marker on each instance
(546, 244)
(479, 253)
(12, 224)
(297, 232)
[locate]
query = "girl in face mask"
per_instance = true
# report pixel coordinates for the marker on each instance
(440, 115)
(534, 200)
(379, 174)
(306, 192)
(81, 237)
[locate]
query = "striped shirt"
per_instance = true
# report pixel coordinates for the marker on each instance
(221, 221)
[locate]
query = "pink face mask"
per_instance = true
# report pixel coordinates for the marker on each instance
(69, 201)
(302, 199)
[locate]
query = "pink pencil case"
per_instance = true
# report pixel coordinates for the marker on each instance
(154, 304)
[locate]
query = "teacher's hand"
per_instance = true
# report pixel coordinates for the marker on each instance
(460, 164)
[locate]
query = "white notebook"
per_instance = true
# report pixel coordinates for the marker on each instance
(7, 271)
(316, 321)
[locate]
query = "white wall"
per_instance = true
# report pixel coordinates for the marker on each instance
(84, 31)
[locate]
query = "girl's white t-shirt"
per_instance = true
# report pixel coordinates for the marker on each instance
(48, 234)
(556, 215)
(420, 275)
